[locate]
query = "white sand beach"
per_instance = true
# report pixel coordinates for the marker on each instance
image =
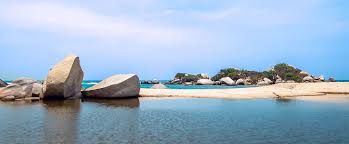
(272, 91)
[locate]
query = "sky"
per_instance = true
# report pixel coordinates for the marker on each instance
(158, 38)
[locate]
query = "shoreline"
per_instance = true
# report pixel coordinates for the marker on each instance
(282, 90)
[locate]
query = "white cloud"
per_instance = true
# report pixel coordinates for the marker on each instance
(64, 19)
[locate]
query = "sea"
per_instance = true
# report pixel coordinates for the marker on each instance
(175, 121)
(89, 83)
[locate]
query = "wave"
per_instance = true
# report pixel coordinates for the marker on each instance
(90, 83)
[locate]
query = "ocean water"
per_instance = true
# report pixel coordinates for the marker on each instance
(89, 83)
(175, 121)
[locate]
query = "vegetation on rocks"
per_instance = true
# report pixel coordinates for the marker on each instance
(285, 71)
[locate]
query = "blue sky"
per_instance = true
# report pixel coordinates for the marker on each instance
(156, 39)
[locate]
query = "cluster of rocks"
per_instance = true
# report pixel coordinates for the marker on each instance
(64, 82)
(262, 81)
(154, 81)
(21, 89)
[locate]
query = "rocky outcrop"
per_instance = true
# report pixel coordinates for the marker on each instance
(204, 82)
(116, 86)
(3, 83)
(308, 79)
(154, 81)
(227, 81)
(20, 88)
(159, 86)
(64, 79)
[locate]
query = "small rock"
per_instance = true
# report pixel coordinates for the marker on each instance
(331, 79)
(321, 78)
(265, 81)
(8, 98)
(159, 86)
(268, 81)
(308, 79)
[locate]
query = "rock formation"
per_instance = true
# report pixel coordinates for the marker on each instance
(64, 79)
(116, 86)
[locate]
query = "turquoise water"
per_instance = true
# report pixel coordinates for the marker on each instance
(175, 121)
(89, 83)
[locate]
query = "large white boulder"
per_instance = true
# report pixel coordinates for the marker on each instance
(227, 81)
(64, 79)
(268, 81)
(116, 86)
(204, 82)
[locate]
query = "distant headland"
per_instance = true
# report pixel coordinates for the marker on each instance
(280, 73)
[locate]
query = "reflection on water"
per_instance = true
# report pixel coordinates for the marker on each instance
(61, 121)
(131, 103)
(204, 121)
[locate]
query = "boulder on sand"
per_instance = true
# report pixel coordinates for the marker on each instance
(159, 86)
(204, 82)
(116, 86)
(64, 79)
(227, 81)
(265, 81)
(2, 83)
(308, 79)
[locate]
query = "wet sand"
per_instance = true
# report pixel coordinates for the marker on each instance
(263, 92)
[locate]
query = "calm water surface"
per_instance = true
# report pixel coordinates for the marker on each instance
(181, 121)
